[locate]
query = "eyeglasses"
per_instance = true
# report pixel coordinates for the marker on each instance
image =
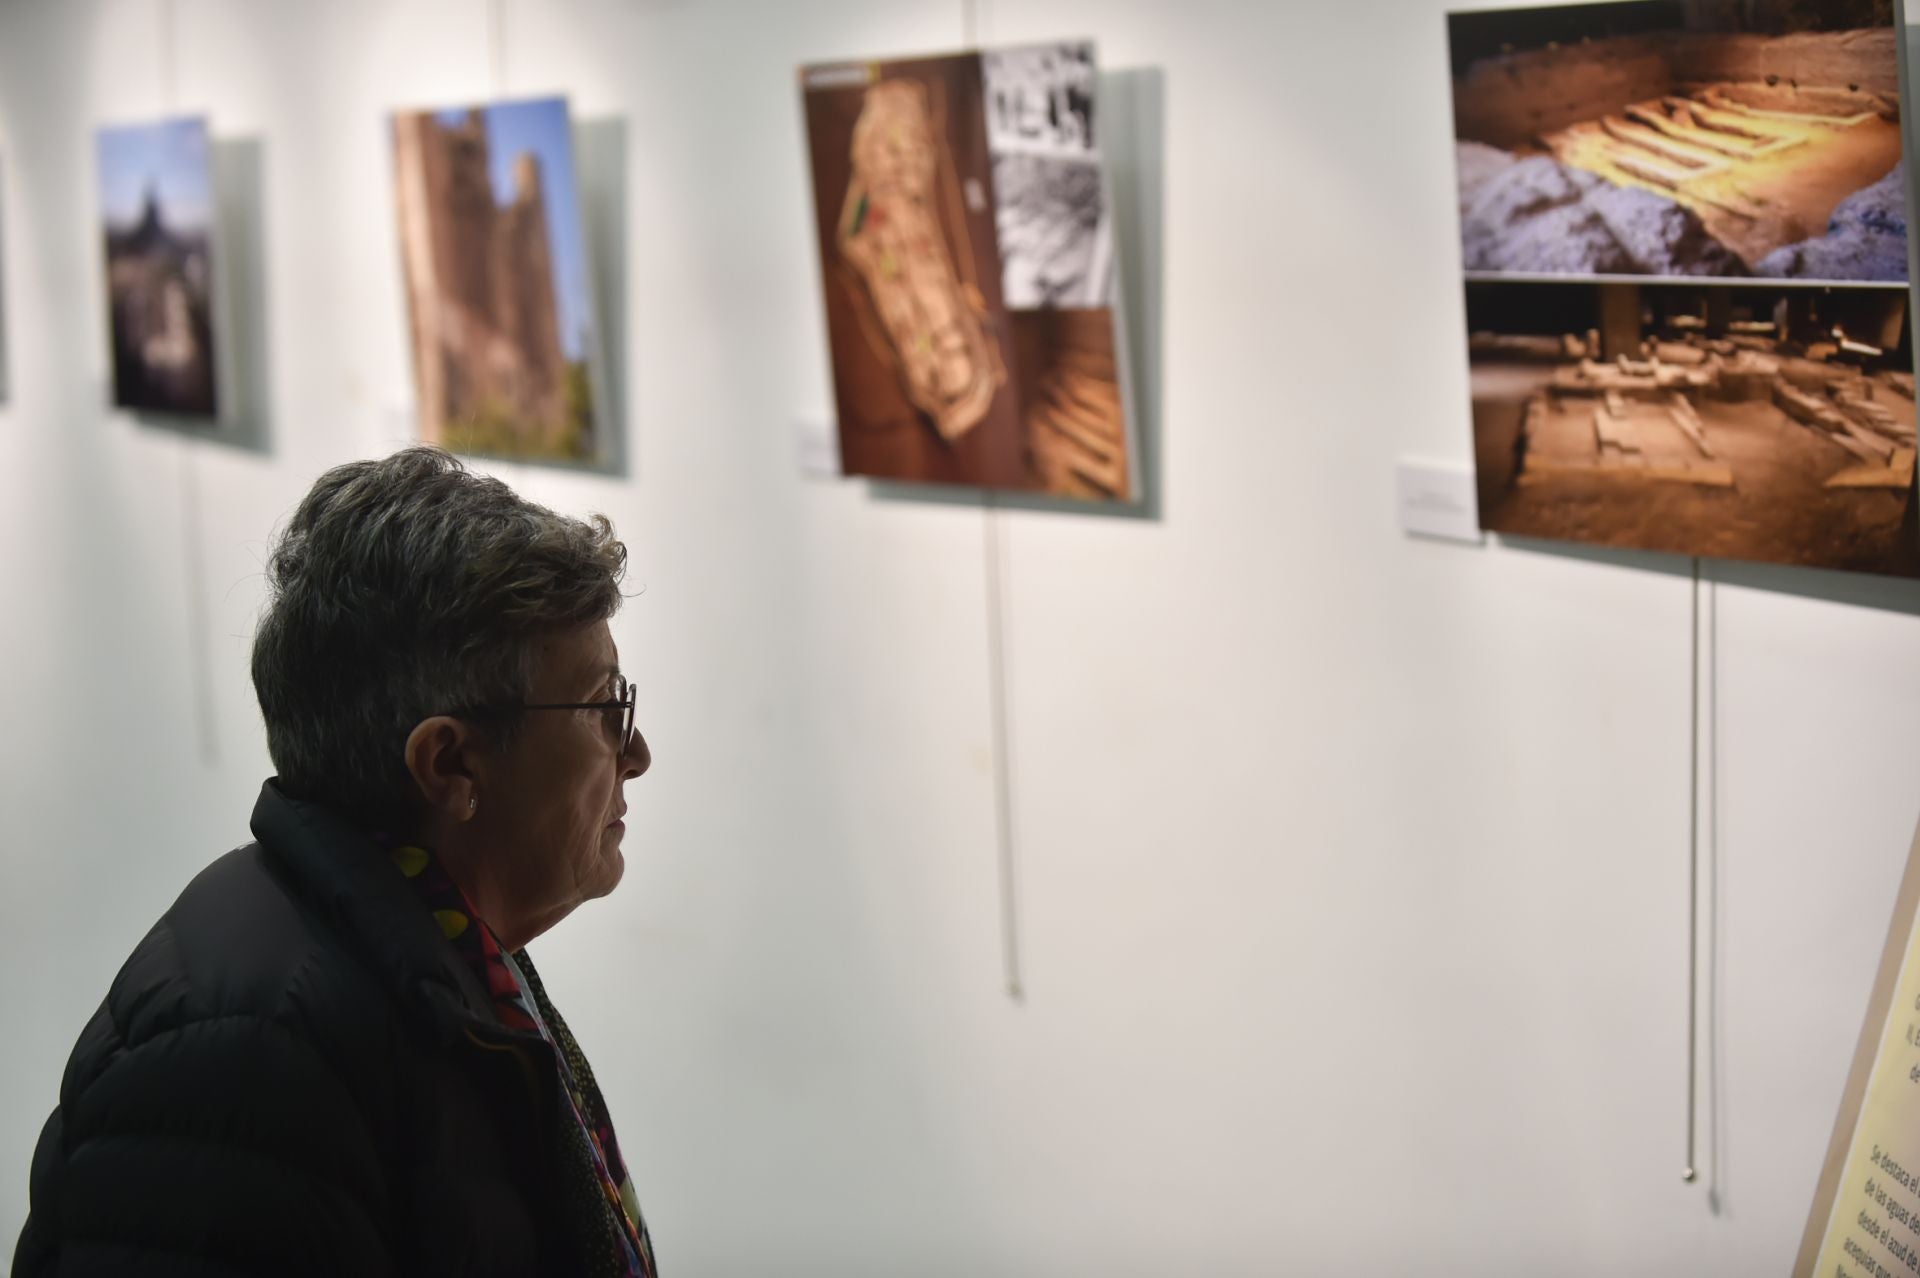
(616, 713)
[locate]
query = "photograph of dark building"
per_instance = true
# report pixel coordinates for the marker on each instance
(1745, 421)
(1681, 137)
(497, 280)
(156, 207)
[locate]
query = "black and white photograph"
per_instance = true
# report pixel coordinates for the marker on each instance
(1056, 238)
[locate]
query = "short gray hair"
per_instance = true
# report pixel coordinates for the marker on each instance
(405, 588)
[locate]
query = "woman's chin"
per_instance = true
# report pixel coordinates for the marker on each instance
(613, 865)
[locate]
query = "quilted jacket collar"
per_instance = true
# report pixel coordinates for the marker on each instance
(339, 868)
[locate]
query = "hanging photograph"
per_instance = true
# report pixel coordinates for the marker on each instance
(966, 250)
(492, 242)
(1681, 137)
(156, 210)
(1749, 421)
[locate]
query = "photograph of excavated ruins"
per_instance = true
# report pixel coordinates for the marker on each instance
(498, 286)
(1681, 137)
(1741, 421)
(911, 271)
(156, 207)
(940, 376)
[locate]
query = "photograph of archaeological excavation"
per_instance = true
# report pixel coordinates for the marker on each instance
(1741, 421)
(910, 266)
(939, 377)
(498, 287)
(156, 206)
(1681, 137)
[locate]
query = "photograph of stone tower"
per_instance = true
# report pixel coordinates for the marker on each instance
(497, 281)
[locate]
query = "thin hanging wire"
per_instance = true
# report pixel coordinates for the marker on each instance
(1714, 899)
(994, 555)
(1689, 1172)
(497, 90)
(193, 558)
(497, 46)
(169, 59)
(199, 625)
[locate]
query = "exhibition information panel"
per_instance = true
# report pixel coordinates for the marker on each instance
(1872, 1229)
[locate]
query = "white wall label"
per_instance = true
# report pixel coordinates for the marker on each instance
(818, 447)
(1436, 499)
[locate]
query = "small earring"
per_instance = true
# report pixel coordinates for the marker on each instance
(473, 805)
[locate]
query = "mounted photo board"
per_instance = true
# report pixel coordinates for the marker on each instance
(506, 354)
(967, 256)
(157, 234)
(1865, 1221)
(1683, 228)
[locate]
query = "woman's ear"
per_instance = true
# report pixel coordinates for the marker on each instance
(441, 758)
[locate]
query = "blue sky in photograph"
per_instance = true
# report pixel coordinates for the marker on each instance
(541, 126)
(169, 156)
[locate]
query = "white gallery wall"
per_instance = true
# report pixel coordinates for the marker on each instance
(1351, 868)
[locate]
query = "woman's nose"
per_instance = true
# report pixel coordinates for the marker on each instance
(636, 758)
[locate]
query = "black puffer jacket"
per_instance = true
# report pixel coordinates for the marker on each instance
(295, 1074)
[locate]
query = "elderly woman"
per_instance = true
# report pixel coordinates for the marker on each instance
(332, 1055)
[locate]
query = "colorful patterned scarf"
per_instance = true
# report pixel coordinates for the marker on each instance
(620, 1245)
